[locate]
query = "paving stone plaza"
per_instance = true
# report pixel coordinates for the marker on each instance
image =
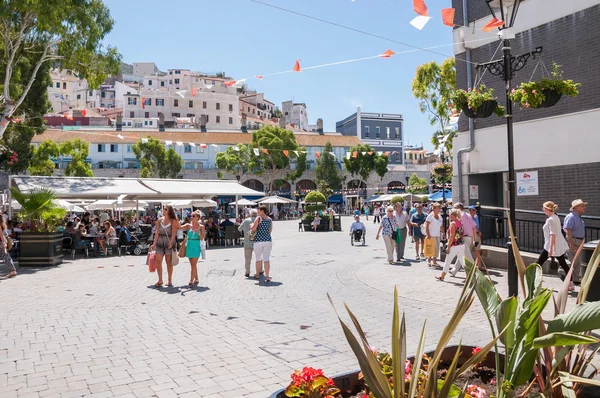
(96, 327)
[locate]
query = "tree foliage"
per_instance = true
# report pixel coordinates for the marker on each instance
(315, 197)
(417, 184)
(433, 86)
(40, 208)
(277, 113)
(365, 165)
(41, 163)
(275, 140)
(66, 33)
(327, 172)
(234, 161)
(155, 161)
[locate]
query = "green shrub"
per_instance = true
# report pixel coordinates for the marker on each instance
(315, 207)
(397, 199)
(315, 197)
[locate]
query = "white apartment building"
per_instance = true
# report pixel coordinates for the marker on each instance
(67, 91)
(145, 68)
(219, 104)
(112, 96)
(255, 105)
(296, 114)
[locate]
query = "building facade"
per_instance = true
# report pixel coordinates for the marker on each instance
(382, 131)
(256, 106)
(558, 144)
(295, 114)
(67, 92)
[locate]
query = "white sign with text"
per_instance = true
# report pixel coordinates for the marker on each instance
(527, 183)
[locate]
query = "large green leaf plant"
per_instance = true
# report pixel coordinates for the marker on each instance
(40, 208)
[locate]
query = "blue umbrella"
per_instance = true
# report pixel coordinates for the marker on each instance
(439, 196)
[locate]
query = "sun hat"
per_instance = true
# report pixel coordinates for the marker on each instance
(577, 202)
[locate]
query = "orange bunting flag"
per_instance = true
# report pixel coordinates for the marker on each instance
(448, 16)
(259, 77)
(230, 83)
(297, 66)
(386, 153)
(4, 122)
(69, 117)
(387, 54)
(143, 103)
(194, 92)
(265, 151)
(286, 153)
(493, 24)
(420, 8)
(370, 153)
(354, 154)
(318, 155)
(83, 112)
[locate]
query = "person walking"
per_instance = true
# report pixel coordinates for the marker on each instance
(416, 220)
(263, 242)
(555, 244)
(193, 249)
(245, 227)
(367, 212)
(402, 221)
(377, 214)
(4, 255)
(478, 238)
(388, 229)
(164, 244)
(456, 245)
(574, 228)
(469, 230)
(434, 225)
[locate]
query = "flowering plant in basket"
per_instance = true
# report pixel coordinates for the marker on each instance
(472, 101)
(6, 154)
(546, 92)
(311, 383)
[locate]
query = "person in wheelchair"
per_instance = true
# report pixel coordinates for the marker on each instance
(358, 229)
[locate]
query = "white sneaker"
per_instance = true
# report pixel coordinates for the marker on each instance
(453, 271)
(418, 258)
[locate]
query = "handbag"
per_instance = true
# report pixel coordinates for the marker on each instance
(9, 243)
(174, 255)
(182, 248)
(394, 233)
(429, 247)
(398, 236)
(150, 261)
(252, 234)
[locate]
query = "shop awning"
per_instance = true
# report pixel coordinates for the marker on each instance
(189, 189)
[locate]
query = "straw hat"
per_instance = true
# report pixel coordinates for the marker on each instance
(577, 202)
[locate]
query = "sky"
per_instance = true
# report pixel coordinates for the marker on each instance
(245, 39)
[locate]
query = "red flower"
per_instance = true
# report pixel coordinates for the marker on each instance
(475, 350)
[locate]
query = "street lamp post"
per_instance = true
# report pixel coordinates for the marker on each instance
(505, 68)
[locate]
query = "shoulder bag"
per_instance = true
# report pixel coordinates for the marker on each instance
(252, 234)
(394, 231)
(174, 255)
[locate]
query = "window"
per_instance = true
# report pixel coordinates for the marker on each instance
(100, 147)
(377, 131)
(131, 114)
(218, 119)
(145, 122)
(114, 148)
(90, 94)
(149, 82)
(175, 114)
(78, 96)
(203, 104)
(146, 115)
(65, 85)
(398, 157)
(199, 149)
(176, 81)
(286, 113)
(248, 109)
(57, 84)
(102, 94)
(230, 120)
(230, 107)
(366, 131)
(131, 101)
(187, 149)
(160, 102)
(191, 103)
(397, 133)
(175, 102)
(387, 133)
(177, 72)
(162, 84)
(213, 82)
(190, 115)
(129, 147)
(170, 82)
(218, 106)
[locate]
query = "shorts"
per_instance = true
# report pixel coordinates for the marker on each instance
(262, 250)
(420, 238)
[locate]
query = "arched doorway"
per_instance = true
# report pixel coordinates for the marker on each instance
(395, 187)
(254, 184)
(356, 184)
(303, 187)
(282, 188)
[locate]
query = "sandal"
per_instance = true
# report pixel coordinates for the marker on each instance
(269, 279)
(439, 278)
(196, 282)
(169, 284)
(256, 276)
(158, 284)
(191, 284)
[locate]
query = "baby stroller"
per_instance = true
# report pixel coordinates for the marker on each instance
(358, 236)
(133, 244)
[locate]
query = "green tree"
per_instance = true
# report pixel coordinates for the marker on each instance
(236, 162)
(276, 140)
(417, 184)
(155, 161)
(79, 151)
(66, 33)
(327, 171)
(277, 113)
(365, 165)
(41, 163)
(39, 207)
(433, 86)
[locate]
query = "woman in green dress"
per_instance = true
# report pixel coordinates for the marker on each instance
(193, 249)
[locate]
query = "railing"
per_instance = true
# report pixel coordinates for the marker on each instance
(493, 223)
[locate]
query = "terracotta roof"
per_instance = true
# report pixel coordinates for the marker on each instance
(100, 136)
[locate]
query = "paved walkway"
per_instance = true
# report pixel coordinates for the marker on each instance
(96, 327)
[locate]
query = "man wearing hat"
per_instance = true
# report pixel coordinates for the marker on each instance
(575, 230)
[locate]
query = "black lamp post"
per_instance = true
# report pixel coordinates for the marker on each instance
(238, 177)
(505, 68)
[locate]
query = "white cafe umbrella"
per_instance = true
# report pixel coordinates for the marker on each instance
(69, 206)
(244, 202)
(116, 204)
(180, 204)
(275, 200)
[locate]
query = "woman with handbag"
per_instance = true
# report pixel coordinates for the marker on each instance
(263, 242)
(555, 244)
(390, 232)
(191, 247)
(164, 244)
(456, 245)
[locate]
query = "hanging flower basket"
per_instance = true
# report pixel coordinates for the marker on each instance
(477, 103)
(546, 92)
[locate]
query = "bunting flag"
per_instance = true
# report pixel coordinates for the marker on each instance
(179, 143)
(286, 153)
(144, 140)
(258, 77)
(386, 154)
(364, 153)
(448, 16)
(297, 154)
(181, 93)
(332, 154)
(143, 103)
(69, 117)
(354, 155)
(370, 153)
(239, 83)
(119, 136)
(420, 8)
(192, 144)
(4, 123)
(493, 24)
(105, 133)
(230, 83)
(84, 112)
(420, 22)
(214, 146)
(194, 92)
(203, 146)
(168, 142)
(297, 66)
(318, 155)
(132, 136)
(209, 86)
(387, 54)
(235, 148)
(256, 151)
(394, 152)
(265, 151)
(348, 155)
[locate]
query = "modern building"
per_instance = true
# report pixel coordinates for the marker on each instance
(145, 69)
(382, 131)
(295, 114)
(555, 149)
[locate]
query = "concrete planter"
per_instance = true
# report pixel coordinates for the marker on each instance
(40, 249)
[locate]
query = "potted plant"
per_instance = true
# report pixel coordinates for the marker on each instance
(479, 102)
(314, 201)
(41, 244)
(546, 92)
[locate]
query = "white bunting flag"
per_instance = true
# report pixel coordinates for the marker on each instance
(333, 154)
(179, 143)
(119, 136)
(144, 140)
(420, 22)
(364, 153)
(256, 152)
(297, 153)
(192, 144)
(239, 83)
(168, 142)
(214, 145)
(379, 153)
(181, 93)
(348, 155)
(203, 146)
(235, 148)
(209, 86)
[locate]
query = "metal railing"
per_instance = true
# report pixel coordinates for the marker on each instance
(493, 223)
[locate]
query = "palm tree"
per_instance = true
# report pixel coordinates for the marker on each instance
(40, 208)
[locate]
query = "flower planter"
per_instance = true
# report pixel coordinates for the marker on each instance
(40, 249)
(484, 110)
(552, 98)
